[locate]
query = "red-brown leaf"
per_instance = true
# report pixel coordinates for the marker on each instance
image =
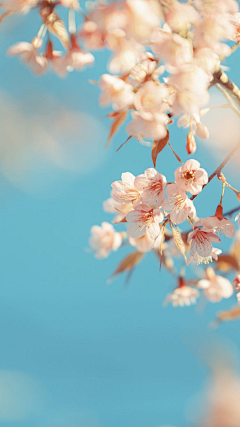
(127, 264)
(158, 146)
(118, 120)
(227, 263)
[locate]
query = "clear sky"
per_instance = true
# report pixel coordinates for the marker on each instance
(76, 352)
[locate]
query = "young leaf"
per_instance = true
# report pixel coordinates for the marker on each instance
(178, 240)
(56, 26)
(127, 264)
(118, 120)
(158, 146)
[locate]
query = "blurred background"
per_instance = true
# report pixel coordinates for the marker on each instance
(76, 352)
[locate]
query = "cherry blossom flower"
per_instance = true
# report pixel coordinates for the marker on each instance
(93, 37)
(205, 260)
(120, 209)
(174, 49)
(180, 16)
(115, 91)
(191, 83)
(20, 6)
(146, 67)
(150, 100)
(153, 129)
(152, 185)
(194, 122)
(29, 54)
(215, 287)
(143, 219)
(218, 224)
(104, 239)
(124, 191)
(178, 204)
(183, 295)
(190, 177)
(143, 244)
(201, 242)
(236, 282)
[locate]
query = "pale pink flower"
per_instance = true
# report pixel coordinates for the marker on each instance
(115, 91)
(236, 282)
(215, 287)
(218, 224)
(153, 129)
(152, 185)
(126, 53)
(174, 49)
(143, 244)
(180, 16)
(207, 59)
(146, 67)
(190, 177)
(120, 209)
(29, 54)
(217, 7)
(76, 59)
(104, 239)
(93, 37)
(205, 260)
(21, 6)
(124, 191)
(184, 295)
(211, 30)
(143, 219)
(178, 204)
(235, 19)
(145, 15)
(151, 99)
(194, 122)
(201, 242)
(191, 83)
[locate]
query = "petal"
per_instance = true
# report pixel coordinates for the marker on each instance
(128, 178)
(136, 229)
(141, 182)
(153, 231)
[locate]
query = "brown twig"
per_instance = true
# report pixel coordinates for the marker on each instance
(221, 166)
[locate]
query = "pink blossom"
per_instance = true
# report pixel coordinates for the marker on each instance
(194, 122)
(104, 239)
(144, 17)
(124, 191)
(174, 49)
(93, 37)
(180, 16)
(76, 59)
(21, 6)
(201, 242)
(151, 99)
(178, 204)
(215, 287)
(152, 185)
(127, 53)
(146, 67)
(143, 244)
(184, 295)
(235, 19)
(218, 224)
(190, 177)
(236, 282)
(120, 209)
(143, 219)
(191, 83)
(29, 54)
(153, 129)
(115, 91)
(205, 260)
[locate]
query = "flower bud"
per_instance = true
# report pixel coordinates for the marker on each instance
(191, 145)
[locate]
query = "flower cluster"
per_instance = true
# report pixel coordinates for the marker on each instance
(165, 55)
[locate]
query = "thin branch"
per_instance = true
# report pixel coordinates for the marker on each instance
(232, 105)
(222, 78)
(221, 166)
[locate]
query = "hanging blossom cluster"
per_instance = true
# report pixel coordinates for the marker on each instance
(165, 56)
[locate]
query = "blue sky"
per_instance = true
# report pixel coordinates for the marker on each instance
(76, 352)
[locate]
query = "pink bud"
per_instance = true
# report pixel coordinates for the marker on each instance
(191, 145)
